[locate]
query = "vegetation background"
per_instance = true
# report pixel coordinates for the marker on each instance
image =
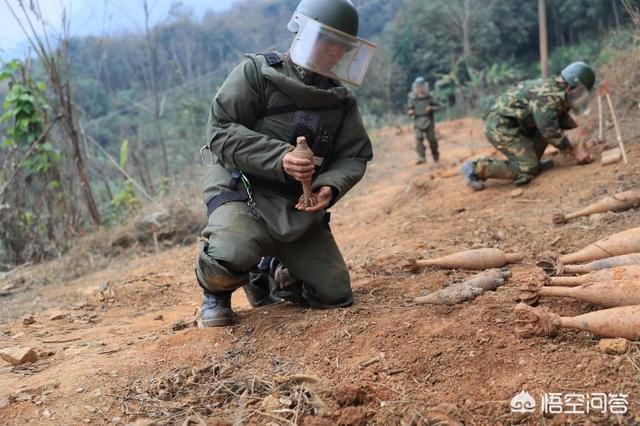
(94, 128)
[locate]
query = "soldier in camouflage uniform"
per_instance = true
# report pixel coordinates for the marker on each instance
(528, 117)
(421, 106)
(256, 237)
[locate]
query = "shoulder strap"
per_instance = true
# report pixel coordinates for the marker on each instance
(285, 109)
(274, 59)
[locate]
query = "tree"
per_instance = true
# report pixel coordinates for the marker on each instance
(542, 24)
(153, 49)
(32, 199)
(456, 38)
(56, 63)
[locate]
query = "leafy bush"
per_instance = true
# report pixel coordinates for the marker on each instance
(124, 203)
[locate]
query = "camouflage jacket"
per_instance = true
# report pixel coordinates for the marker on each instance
(540, 105)
(419, 104)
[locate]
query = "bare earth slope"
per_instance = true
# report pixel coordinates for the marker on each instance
(130, 352)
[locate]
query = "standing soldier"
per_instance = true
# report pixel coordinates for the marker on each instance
(528, 117)
(252, 186)
(421, 106)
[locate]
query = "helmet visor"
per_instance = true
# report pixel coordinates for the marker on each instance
(579, 98)
(421, 88)
(330, 52)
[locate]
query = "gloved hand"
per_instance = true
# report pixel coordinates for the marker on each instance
(581, 155)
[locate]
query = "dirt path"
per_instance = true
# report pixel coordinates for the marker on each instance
(127, 350)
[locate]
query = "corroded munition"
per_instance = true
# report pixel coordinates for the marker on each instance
(603, 293)
(611, 262)
(484, 258)
(467, 290)
(609, 274)
(622, 321)
(611, 156)
(624, 242)
(307, 199)
(618, 202)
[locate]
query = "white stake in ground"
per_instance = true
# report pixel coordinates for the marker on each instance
(600, 117)
(605, 86)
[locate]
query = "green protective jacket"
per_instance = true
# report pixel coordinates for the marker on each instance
(243, 136)
(418, 104)
(540, 105)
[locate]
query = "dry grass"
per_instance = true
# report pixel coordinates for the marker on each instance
(633, 8)
(194, 394)
(178, 219)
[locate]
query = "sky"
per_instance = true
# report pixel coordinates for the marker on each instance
(93, 17)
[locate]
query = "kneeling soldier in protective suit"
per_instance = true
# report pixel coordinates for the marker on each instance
(256, 238)
(528, 117)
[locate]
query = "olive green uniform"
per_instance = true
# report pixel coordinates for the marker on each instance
(521, 123)
(424, 124)
(251, 127)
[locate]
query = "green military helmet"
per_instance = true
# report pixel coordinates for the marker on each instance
(341, 15)
(419, 80)
(579, 73)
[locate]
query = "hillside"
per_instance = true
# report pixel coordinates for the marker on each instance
(128, 352)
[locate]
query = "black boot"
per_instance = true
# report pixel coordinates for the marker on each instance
(216, 309)
(546, 164)
(435, 155)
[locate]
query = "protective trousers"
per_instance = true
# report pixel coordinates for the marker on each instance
(430, 134)
(523, 151)
(236, 242)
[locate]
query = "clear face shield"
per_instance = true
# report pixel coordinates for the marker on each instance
(421, 89)
(579, 98)
(329, 52)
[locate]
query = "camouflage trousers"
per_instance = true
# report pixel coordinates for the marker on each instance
(430, 134)
(235, 242)
(523, 151)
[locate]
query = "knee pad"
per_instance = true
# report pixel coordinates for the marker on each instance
(213, 276)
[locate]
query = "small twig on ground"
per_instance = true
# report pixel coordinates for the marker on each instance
(110, 351)
(633, 364)
(377, 358)
(273, 416)
(62, 341)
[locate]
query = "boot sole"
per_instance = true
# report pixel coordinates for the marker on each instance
(220, 322)
(477, 188)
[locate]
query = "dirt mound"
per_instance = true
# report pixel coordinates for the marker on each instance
(168, 222)
(623, 79)
(173, 222)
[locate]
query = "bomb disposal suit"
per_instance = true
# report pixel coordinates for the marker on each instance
(255, 236)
